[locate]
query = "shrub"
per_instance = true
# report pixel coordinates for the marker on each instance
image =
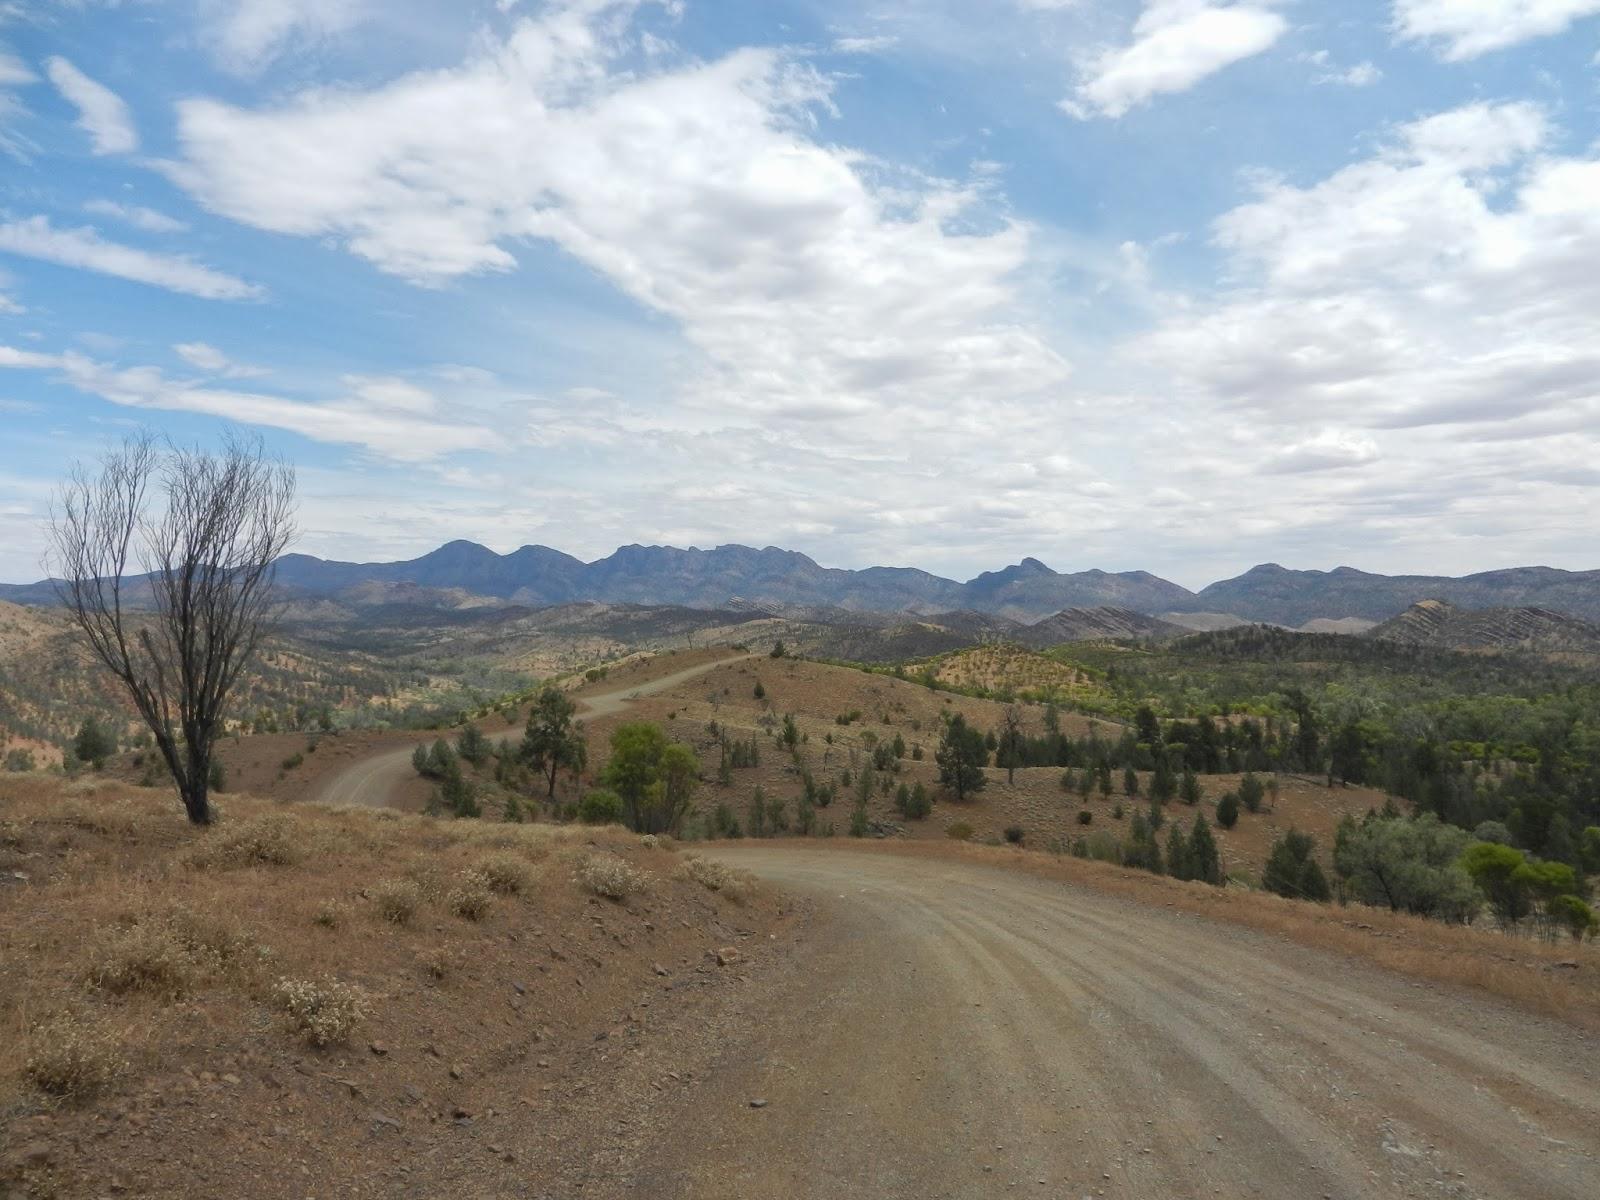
(1085, 817)
(736, 885)
(1015, 834)
(260, 841)
(72, 1056)
(609, 876)
(397, 900)
(324, 1011)
(1577, 917)
(1228, 810)
(505, 874)
(331, 914)
(1292, 869)
(145, 957)
(959, 830)
(471, 898)
(1407, 866)
(1251, 793)
(602, 806)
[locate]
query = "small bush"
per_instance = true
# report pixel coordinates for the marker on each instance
(139, 958)
(325, 1011)
(71, 1056)
(1015, 834)
(397, 900)
(1085, 817)
(601, 807)
(293, 761)
(471, 898)
(331, 914)
(736, 885)
(260, 841)
(1228, 810)
(609, 876)
(505, 874)
(959, 830)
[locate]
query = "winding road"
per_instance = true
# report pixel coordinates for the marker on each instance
(375, 781)
(956, 1030)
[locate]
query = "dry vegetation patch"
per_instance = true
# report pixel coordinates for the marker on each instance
(299, 968)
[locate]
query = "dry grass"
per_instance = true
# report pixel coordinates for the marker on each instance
(271, 840)
(610, 876)
(471, 898)
(324, 1011)
(397, 900)
(733, 882)
(1520, 970)
(505, 874)
(165, 954)
(73, 1056)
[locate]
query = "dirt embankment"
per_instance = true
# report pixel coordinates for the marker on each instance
(518, 1026)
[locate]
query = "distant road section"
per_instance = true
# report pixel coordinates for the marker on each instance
(375, 781)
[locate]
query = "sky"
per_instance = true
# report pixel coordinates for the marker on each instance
(1173, 285)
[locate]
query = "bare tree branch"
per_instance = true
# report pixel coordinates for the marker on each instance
(179, 632)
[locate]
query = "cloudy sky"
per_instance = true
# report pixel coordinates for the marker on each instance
(1181, 285)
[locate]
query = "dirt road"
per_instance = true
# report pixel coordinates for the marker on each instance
(375, 781)
(960, 1031)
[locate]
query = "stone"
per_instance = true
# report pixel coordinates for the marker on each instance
(758, 1104)
(727, 956)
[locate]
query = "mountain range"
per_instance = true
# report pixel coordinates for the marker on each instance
(464, 574)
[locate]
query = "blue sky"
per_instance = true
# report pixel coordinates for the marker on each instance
(1181, 285)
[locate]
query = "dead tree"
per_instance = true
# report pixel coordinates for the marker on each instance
(165, 560)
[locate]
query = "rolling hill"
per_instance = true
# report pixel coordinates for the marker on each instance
(1441, 624)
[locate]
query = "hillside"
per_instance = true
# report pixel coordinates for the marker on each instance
(1096, 624)
(304, 1002)
(1284, 597)
(1441, 624)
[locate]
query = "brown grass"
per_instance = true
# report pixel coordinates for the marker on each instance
(731, 882)
(1520, 970)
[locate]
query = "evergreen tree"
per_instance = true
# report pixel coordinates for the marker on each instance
(1178, 853)
(1189, 790)
(1204, 860)
(961, 757)
(1130, 782)
(553, 742)
(1228, 810)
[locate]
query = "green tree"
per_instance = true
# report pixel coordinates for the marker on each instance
(961, 757)
(1228, 810)
(1501, 873)
(600, 806)
(1251, 793)
(1407, 865)
(1178, 853)
(1292, 869)
(94, 743)
(553, 742)
(1130, 782)
(1204, 860)
(654, 777)
(1189, 790)
(472, 746)
(777, 649)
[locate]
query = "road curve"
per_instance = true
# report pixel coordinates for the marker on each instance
(375, 781)
(965, 1031)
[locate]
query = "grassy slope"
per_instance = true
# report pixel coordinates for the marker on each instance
(497, 1018)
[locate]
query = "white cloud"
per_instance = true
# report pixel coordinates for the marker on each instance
(35, 237)
(388, 417)
(1435, 297)
(13, 71)
(147, 219)
(1176, 44)
(101, 112)
(208, 358)
(809, 289)
(865, 44)
(246, 35)
(1363, 74)
(1463, 29)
